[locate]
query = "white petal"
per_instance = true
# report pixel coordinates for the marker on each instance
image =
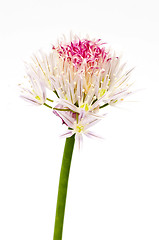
(31, 100)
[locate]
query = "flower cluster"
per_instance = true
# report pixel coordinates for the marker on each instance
(84, 77)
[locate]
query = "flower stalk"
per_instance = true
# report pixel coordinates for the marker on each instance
(50, 100)
(45, 104)
(62, 190)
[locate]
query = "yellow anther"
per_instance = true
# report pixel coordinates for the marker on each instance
(38, 98)
(85, 106)
(102, 92)
(79, 128)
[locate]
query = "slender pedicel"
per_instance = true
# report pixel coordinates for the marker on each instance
(45, 104)
(49, 99)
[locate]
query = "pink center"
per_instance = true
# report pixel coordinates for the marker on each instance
(78, 52)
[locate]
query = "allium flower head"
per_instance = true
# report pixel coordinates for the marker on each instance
(85, 75)
(89, 73)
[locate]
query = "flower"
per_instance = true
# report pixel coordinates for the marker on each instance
(79, 125)
(36, 92)
(85, 76)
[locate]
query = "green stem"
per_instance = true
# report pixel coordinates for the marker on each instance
(62, 191)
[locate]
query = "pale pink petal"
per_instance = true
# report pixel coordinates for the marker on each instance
(71, 106)
(31, 100)
(67, 134)
(66, 118)
(96, 104)
(92, 135)
(79, 140)
(90, 122)
(97, 115)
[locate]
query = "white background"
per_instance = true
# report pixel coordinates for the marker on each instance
(113, 190)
